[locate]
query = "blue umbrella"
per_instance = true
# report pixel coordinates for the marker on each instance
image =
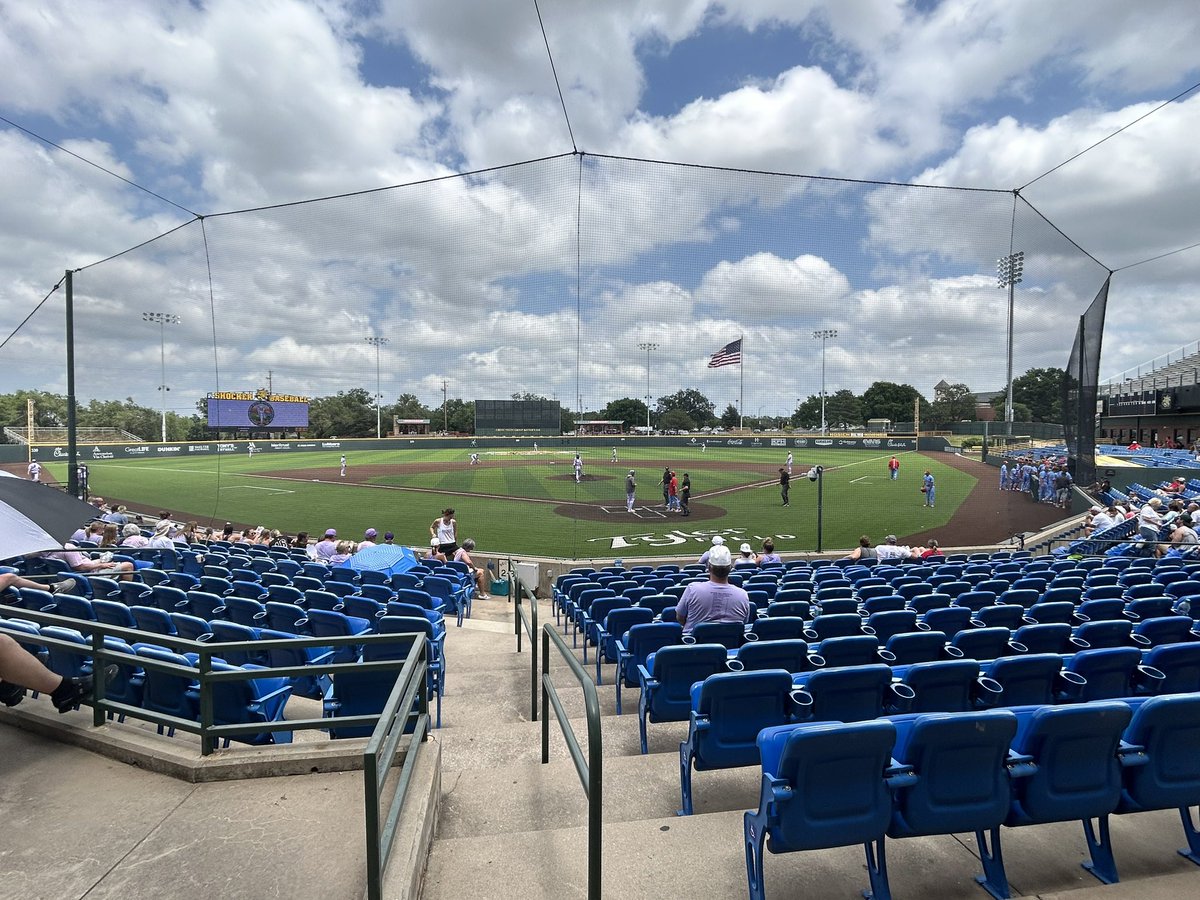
(386, 558)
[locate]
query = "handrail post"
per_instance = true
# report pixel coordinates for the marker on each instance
(533, 680)
(545, 698)
(514, 592)
(207, 742)
(98, 685)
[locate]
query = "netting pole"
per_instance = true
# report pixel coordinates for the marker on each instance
(72, 450)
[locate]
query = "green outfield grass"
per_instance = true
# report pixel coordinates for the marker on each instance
(535, 496)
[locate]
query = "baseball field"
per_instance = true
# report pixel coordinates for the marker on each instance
(527, 501)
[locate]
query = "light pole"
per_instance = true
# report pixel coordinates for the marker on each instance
(163, 320)
(823, 335)
(377, 342)
(1008, 275)
(647, 346)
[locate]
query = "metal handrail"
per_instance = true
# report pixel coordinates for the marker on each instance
(379, 756)
(590, 770)
(208, 732)
(527, 622)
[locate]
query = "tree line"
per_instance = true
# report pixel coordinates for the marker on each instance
(1037, 397)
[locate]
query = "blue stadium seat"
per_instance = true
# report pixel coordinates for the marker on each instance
(950, 686)
(1049, 638)
(1167, 630)
(1180, 665)
(727, 713)
(886, 624)
(1067, 770)
(253, 701)
(777, 628)
(635, 647)
(1109, 633)
(793, 609)
(949, 620)
(204, 605)
(789, 655)
(615, 624)
(666, 681)
(730, 635)
(1108, 673)
(848, 766)
(917, 647)
(325, 623)
(112, 613)
(840, 652)
(1032, 680)
(1060, 612)
(152, 619)
(840, 625)
(851, 695)
(191, 627)
(985, 643)
(1011, 617)
(170, 693)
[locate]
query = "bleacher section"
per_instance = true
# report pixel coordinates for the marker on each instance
(1184, 369)
(83, 434)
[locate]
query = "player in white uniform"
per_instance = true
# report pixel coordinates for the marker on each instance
(789, 462)
(343, 465)
(35, 471)
(474, 459)
(578, 464)
(614, 459)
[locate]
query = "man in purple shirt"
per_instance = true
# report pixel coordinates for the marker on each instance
(715, 600)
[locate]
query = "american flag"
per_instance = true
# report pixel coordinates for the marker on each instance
(729, 355)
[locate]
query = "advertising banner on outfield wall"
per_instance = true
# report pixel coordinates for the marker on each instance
(99, 452)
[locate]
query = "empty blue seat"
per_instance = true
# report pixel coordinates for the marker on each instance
(1060, 612)
(985, 643)
(950, 686)
(1031, 680)
(1109, 633)
(840, 652)
(635, 647)
(111, 612)
(615, 624)
(778, 628)
(846, 766)
(1050, 638)
(1066, 770)
(191, 627)
(1098, 610)
(1160, 760)
(1167, 630)
(1108, 673)
(667, 679)
(948, 620)
(1011, 617)
(886, 624)
(960, 780)
(1148, 606)
(325, 623)
(793, 609)
(172, 693)
(1180, 665)
(728, 711)
(840, 625)
(789, 655)
(435, 655)
(976, 600)
(249, 702)
(730, 635)
(851, 695)
(917, 647)
(152, 619)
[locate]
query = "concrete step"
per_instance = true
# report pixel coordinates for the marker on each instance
(505, 743)
(530, 796)
(703, 855)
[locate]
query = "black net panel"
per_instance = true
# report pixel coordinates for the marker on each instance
(1080, 390)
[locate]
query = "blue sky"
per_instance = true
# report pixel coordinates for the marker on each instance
(218, 106)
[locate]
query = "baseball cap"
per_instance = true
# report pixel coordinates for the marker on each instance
(1096, 509)
(717, 540)
(329, 532)
(631, 471)
(720, 556)
(387, 535)
(891, 539)
(434, 542)
(370, 532)
(745, 548)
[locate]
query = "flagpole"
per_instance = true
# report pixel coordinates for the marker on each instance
(742, 387)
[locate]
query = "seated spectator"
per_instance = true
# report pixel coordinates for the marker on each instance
(769, 556)
(891, 550)
(132, 537)
(301, 541)
(434, 552)
(279, 539)
(161, 539)
(12, 580)
(91, 532)
(746, 557)
(388, 537)
(368, 539)
(717, 541)
(326, 547)
(79, 562)
(175, 533)
(715, 600)
(116, 516)
(463, 555)
(108, 537)
(931, 549)
(20, 669)
(1183, 537)
(342, 551)
(864, 550)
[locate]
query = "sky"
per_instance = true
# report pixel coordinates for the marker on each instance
(544, 270)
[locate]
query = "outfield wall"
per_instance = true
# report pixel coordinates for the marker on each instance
(48, 453)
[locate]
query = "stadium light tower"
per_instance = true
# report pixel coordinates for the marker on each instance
(647, 346)
(377, 342)
(823, 335)
(162, 320)
(1008, 275)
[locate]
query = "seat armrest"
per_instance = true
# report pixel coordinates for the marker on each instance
(1132, 755)
(1020, 765)
(900, 775)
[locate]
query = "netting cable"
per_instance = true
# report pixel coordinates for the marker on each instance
(1150, 259)
(554, 72)
(33, 312)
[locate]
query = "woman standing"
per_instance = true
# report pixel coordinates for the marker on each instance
(445, 529)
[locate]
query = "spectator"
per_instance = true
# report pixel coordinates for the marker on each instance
(191, 533)
(342, 551)
(747, 557)
(864, 550)
(673, 493)
(301, 541)
(388, 537)
(160, 539)
(326, 547)
(1104, 519)
(769, 556)
(91, 533)
(368, 539)
(108, 537)
(931, 549)
(132, 537)
(79, 562)
(717, 541)
(435, 552)
(891, 550)
(280, 540)
(666, 486)
(12, 580)
(715, 600)
(1184, 538)
(20, 669)
(116, 516)
(785, 485)
(463, 555)
(685, 495)
(1150, 520)
(445, 529)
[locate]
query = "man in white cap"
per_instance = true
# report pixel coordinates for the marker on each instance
(717, 541)
(889, 549)
(1103, 519)
(715, 600)
(368, 539)
(326, 547)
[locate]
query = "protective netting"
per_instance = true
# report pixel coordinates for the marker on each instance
(550, 278)
(1080, 390)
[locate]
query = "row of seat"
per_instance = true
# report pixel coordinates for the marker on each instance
(831, 784)
(240, 702)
